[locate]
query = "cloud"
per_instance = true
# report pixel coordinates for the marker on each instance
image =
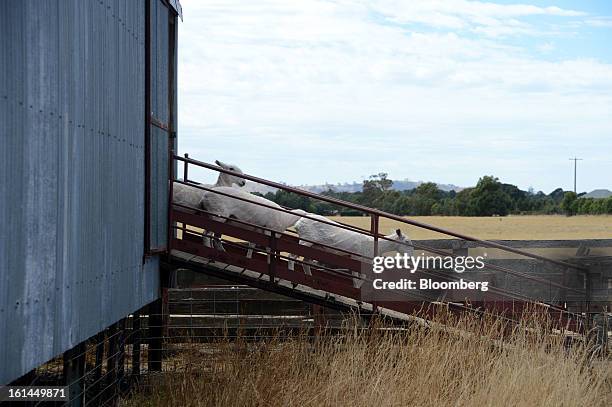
(605, 22)
(490, 19)
(330, 90)
(546, 47)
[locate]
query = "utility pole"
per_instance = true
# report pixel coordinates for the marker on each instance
(575, 160)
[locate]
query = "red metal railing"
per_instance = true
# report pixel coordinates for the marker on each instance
(342, 267)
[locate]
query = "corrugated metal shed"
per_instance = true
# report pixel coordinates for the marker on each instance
(72, 174)
(160, 111)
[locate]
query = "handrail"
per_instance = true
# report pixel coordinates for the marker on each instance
(503, 292)
(199, 210)
(365, 232)
(372, 233)
(377, 212)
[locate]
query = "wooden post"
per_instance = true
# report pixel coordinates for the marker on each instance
(136, 339)
(167, 280)
(272, 258)
(111, 365)
(155, 334)
(121, 353)
(320, 320)
(74, 374)
(374, 231)
(185, 173)
(97, 376)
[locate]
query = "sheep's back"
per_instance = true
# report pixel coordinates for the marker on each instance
(187, 195)
(332, 235)
(250, 211)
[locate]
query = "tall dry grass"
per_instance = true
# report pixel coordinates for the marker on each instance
(422, 366)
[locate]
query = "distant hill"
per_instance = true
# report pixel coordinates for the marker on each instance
(349, 187)
(598, 193)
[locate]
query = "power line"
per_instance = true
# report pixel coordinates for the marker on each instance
(575, 160)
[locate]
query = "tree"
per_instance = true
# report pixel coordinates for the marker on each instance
(489, 198)
(387, 200)
(519, 198)
(403, 206)
(463, 205)
(425, 197)
(557, 195)
(291, 200)
(429, 190)
(374, 188)
(568, 204)
(608, 206)
(444, 207)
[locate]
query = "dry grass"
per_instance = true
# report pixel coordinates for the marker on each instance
(418, 367)
(542, 227)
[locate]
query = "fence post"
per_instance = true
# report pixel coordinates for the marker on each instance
(155, 336)
(185, 174)
(111, 365)
(74, 374)
(272, 258)
(97, 375)
(374, 231)
(121, 354)
(319, 319)
(136, 345)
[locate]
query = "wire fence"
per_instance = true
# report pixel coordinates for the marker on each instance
(107, 367)
(161, 338)
(99, 370)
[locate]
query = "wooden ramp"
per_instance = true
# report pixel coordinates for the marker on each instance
(334, 278)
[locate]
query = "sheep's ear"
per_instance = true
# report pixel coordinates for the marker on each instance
(399, 232)
(222, 164)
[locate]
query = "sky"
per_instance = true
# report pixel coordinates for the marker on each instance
(328, 91)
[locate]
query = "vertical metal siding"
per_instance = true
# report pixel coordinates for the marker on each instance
(160, 110)
(71, 174)
(159, 61)
(159, 187)
(174, 117)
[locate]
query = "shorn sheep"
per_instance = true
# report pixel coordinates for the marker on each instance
(247, 210)
(335, 236)
(191, 196)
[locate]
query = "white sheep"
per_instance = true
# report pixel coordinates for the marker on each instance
(333, 235)
(269, 216)
(191, 196)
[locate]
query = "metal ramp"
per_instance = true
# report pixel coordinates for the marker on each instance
(335, 273)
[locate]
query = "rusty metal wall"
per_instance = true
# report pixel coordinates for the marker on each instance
(71, 175)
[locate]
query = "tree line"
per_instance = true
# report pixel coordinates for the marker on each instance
(489, 197)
